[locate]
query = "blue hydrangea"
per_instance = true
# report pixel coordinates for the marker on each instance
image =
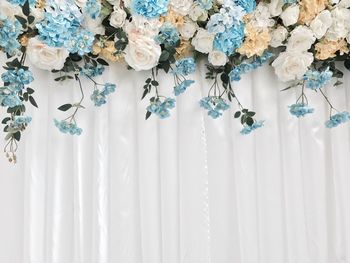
(108, 88)
(181, 88)
(81, 42)
(229, 40)
(168, 34)
(21, 2)
(21, 120)
(10, 100)
(248, 129)
(56, 29)
(185, 66)
(93, 8)
(205, 4)
(214, 105)
(338, 119)
(68, 127)
(92, 71)
(150, 8)
(100, 97)
(300, 109)
(248, 5)
(17, 78)
(9, 32)
(161, 109)
(315, 79)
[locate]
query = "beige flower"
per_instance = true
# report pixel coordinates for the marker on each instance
(256, 42)
(184, 50)
(328, 48)
(107, 51)
(172, 17)
(309, 9)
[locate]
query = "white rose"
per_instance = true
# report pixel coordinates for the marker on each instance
(39, 14)
(292, 65)
(290, 15)
(301, 39)
(8, 10)
(344, 3)
(203, 41)
(114, 2)
(142, 26)
(45, 57)
(94, 25)
(278, 36)
(142, 53)
(217, 58)
(197, 13)
(118, 17)
(261, 16)
(80, 3)
(275, 7)
(340, 24)
(188, 29)
(181, 6)
(321, 23)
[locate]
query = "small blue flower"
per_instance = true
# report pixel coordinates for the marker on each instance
(21, 2)
(300, 109)
(161, 109)
(248, 5)
(337, 119)
(150, 8)
(81, 42)
(92, 71)
(17, 78)
(168, 35)
(248, 129)
(315, 79)
(108, 88)
(93, 8)
(184, 66)
(214, 105)
(98, 98)
(21, 120)
(68, 127)
(229, 40)
(181, 88)
(9, 32)
(10, 100)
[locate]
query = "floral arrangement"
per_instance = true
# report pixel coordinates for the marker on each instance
(302, 39)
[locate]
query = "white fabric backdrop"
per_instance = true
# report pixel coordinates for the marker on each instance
(188, 189)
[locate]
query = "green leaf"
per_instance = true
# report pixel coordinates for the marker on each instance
(155, 83)
(148, 114)
(4, 121)
(25, 8)
(145, 92)
(65, 107)
(249, 121)
(237, 114)
(22, 20)
(33, 102)
(164, 56)
(30, 91)
(30, 19)
(17, 136)
(251, 113)
(347, 64)
(102, 62)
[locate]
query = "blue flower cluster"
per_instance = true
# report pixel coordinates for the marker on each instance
(248, 5)
(161, 109)
(81, 42)
(338, 119)
(10, 100)
(205, 4)
(245, 67)
(184, 66)
(214, 105)
(21, 120)
(181, 88)
(17, 78)
(100, 97)
(168, 35)
(9, 32)
(93, 8)
(92, 71)
(229, 40)
(300, 109)
(315, 79)
(21, 2)
(289, 1)
(248, 129)
(150, 8)
(68, 127)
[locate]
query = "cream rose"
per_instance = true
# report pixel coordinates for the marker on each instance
(301, 39)
(290, 15)
(45, 57)
(181, 7)
(203, 41)
(188, 29)
(321, 23)
(197, 13)
(118, 17)
(94, 25)
(142, 53)
(217, 58)
(275, 7)
(9, 10)
(340, 24)
(292, 65)
(278, 36)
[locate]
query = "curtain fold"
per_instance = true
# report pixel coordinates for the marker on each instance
(186, 189)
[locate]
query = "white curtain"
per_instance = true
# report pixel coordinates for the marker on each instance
(188, 189)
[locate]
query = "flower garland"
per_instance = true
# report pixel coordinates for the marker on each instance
(77, 39)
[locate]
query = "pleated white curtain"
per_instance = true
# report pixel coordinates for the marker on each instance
(187, 189)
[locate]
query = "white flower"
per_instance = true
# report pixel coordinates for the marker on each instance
(203, 41)
(45, 57)
(8, 10)
(39, 14)
(344, 3)
(301, 39)
(142, 26)
(275, 7)
(262, 16)
(321, 23)
(94, 25)
(197, 13)
(292, 65)
(290, 15)
(217, 58)
(188, 29)
(80, 3)
(142, 53)
(118, 17)
(115, 2)
(278, 36)
(181, 6)
(340, 24)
